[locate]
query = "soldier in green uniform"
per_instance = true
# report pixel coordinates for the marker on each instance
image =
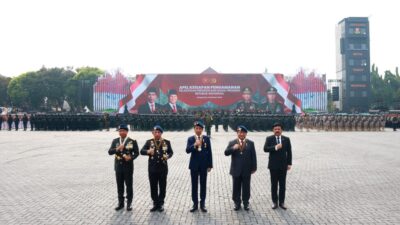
(272, 105)
(125, 151)
(159, 152)
(246, 104)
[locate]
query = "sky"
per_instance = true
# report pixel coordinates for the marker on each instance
(187, 36)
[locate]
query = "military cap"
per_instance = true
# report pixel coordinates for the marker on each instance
(199, 123)
(151, 89)
(271, 90)
(159, 128)
(241, 128)
(172, 92)
(246, 90)
(123, 127)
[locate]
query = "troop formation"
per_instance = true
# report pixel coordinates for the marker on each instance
(331, 122)
(242, 151)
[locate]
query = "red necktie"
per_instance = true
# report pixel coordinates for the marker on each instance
(174, 108)
(152, 107)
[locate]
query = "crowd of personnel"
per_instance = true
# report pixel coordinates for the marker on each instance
(260, 121)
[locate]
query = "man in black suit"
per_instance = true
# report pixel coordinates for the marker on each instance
(280, 161)
(150, 106)
(125, 150)
(159, 151)
(199, 146)
(171, 106)
(243, 165)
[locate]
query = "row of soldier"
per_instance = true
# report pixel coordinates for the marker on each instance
(332, 122)
(142, 122)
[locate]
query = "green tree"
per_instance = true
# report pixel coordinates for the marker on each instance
(29, 90)
(4, 99)
(80, 88)
(385, 90)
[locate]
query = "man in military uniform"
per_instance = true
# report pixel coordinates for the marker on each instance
(125, 151)
(159, 151)
(199, 146)
(171, 106)
(272, 105)
(150, 106)
(243, 165)
(246, 104)
(280, 161)
(25, 121)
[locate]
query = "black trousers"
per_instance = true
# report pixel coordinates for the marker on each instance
(158, 186)
(278, 177)
(124, 177)
(241, 186)
(195, 186)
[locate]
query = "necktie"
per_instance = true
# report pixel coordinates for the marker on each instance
(152, 107)
(174, 108)
(278, 140)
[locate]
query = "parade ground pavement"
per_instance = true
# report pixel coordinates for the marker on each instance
(68, 178)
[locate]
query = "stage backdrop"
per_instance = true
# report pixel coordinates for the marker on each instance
(208, 91)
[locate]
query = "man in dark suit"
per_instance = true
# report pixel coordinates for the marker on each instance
(243, 165)
(199, 146)
(280, 161)
(150, 106)
(171, 106)
(159, 151)
(125, 151)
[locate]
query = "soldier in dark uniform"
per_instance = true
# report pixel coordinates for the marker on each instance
(125, 150)
(208, 120)
(16, 122)
(159, 151)
(150, 106)
(247, 104)
(25, 121)
(280, 161)
(243, 165)
(272, 105)
(395, 123)
(199, 146)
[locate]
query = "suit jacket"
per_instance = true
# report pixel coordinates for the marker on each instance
(278, 159)
(242, 164)
(131, 148)
(199, 160)
(167, 107)
(156, 163)
(145, 108)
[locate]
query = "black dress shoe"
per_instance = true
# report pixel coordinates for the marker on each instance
(129, 207)
(203, 208)
(282, 206)
(161, 208)
(119, 207)
(246, 207)
(237, 207)
(194, 209)
(155, 207)
(274, 206)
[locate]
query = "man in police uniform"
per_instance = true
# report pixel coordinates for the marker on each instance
(150, 106)
(199, 146)
(243, 165)
(272, 105)
(246, 104)
(280, 161)
(125, 151)
(159, 151)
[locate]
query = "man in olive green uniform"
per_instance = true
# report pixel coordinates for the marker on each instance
(125, 151)
(272, 105)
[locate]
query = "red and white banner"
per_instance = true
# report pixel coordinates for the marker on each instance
(208, 91)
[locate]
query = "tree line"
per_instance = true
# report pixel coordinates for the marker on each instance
(46, 89)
